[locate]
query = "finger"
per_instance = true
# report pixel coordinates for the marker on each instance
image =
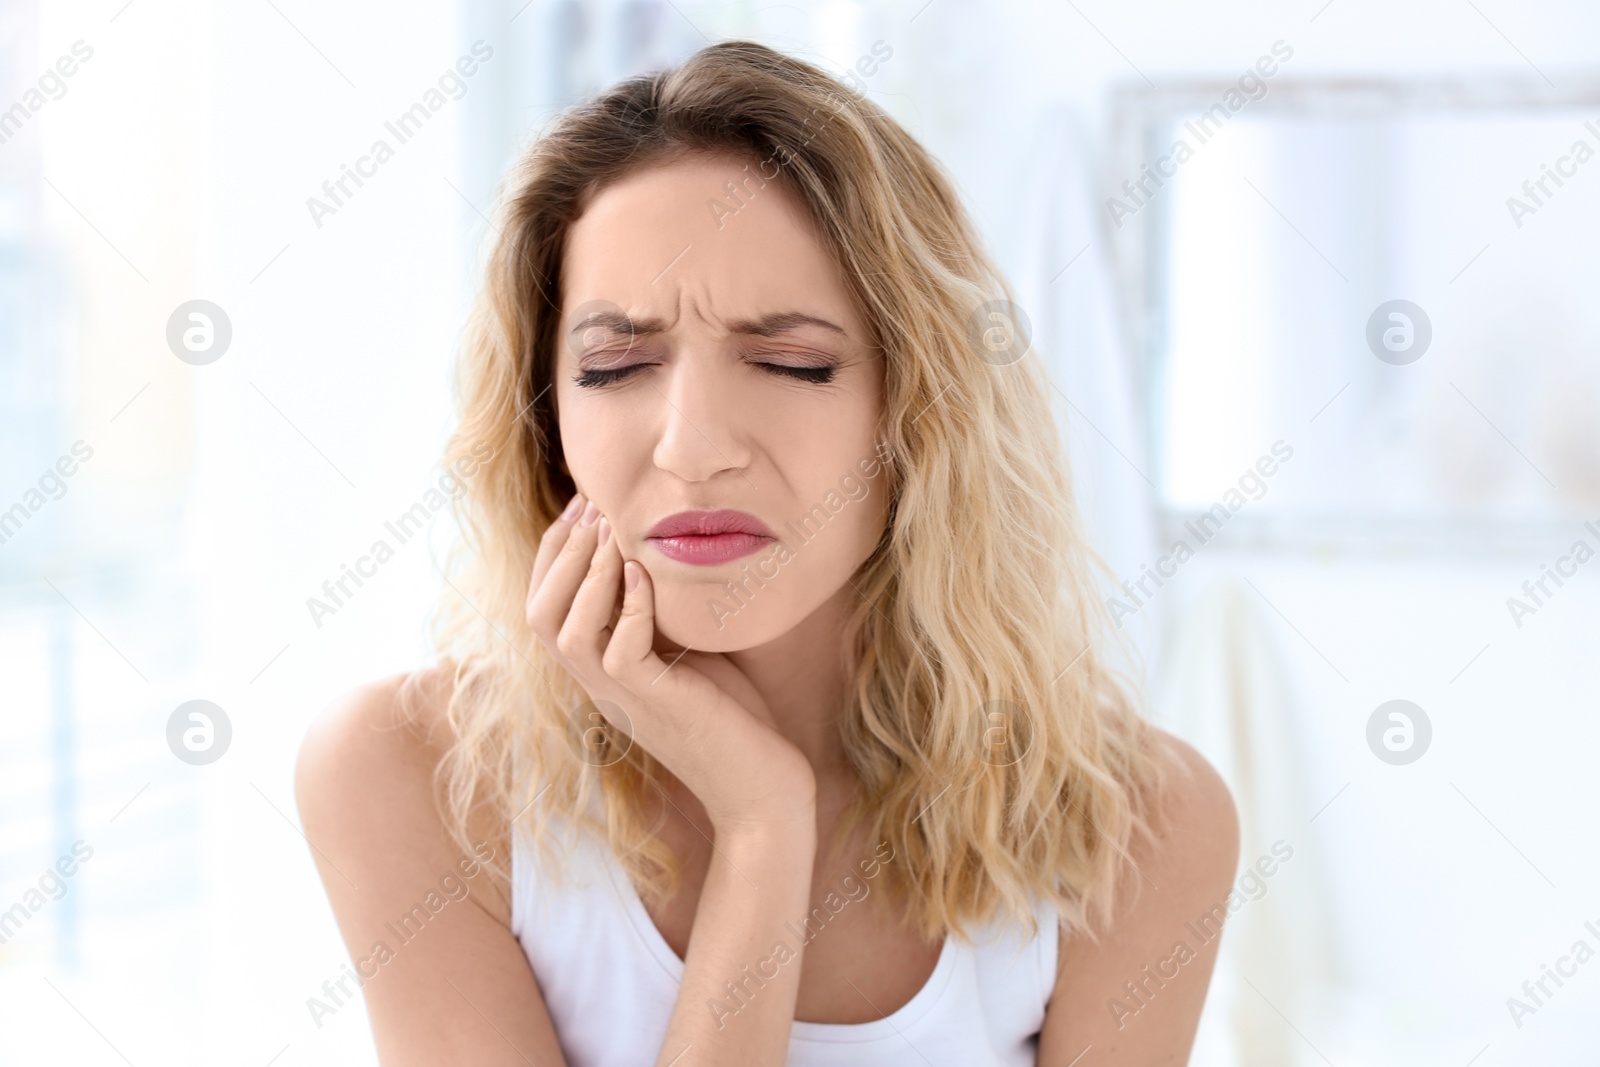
(673, 699)
(550, 602)
(630, 655)
(554, 537)
(584, 636)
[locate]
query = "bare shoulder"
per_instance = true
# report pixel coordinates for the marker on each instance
(1195, 820)
(365, 780)
(426, 921)
(403, 711)
(1134, 992)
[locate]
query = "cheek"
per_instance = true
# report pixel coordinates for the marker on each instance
(595, 444)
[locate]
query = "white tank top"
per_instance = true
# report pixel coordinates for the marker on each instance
(610, 980)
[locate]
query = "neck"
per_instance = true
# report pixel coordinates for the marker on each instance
(804, 678)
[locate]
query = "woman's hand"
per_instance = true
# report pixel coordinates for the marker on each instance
(700, 716)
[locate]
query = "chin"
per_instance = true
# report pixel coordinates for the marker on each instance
(700, 616)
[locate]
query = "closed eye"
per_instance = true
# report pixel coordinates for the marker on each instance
(818, 375)
(594, 379)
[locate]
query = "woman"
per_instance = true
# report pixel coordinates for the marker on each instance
(773, 639)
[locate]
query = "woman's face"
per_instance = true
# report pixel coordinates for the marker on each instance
(711, 358)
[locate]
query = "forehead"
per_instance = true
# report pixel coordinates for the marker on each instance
(704, 235)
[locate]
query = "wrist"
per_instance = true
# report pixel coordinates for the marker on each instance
(795, 828)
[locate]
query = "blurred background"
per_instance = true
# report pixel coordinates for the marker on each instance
(1314, 281)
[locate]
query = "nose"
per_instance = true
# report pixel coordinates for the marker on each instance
(703, 419)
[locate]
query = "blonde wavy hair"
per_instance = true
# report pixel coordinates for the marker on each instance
(978, 602)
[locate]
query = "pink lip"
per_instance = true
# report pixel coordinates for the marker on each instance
(707, 538)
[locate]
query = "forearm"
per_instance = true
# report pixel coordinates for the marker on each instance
(756, 885)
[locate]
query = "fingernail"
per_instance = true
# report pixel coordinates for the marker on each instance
(573, 505)
(590, 513)
(605, 529)
(630, 575)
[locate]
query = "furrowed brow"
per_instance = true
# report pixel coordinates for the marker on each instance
(782, 322)
(766, 326)
(616, 322)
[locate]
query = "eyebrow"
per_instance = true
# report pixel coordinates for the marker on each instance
(766, 326)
